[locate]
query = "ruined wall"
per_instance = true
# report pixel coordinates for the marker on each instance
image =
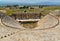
(27, 16)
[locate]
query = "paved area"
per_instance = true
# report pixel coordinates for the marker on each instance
(12, 34)
(29, 20)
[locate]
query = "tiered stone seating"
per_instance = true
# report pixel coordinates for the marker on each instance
(47, 22)
(10, 22)
(6, 31)
(53, 34)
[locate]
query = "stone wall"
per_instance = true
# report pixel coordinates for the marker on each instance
(27, 15)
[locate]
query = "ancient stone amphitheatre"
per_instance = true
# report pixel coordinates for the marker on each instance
(48, 29)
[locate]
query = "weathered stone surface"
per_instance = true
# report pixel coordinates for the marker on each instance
(48, 21)
(10, 22)
(53, 34)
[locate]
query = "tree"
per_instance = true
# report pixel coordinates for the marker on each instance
(24, 7)
(8, 6)
(15, 5)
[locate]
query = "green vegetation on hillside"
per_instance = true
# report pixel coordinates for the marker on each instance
(43, 9)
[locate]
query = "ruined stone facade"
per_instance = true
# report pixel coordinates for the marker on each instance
(25, 15)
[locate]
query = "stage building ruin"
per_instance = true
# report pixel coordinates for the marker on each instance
(25, 16)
